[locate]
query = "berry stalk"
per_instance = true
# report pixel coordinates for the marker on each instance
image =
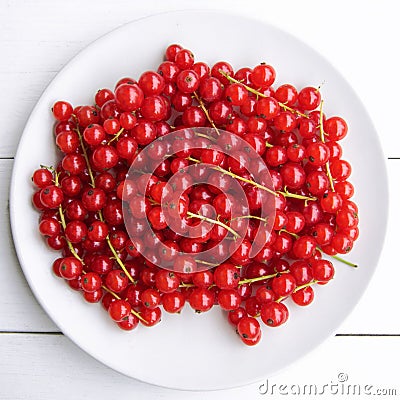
(322, 135)
(207, 114)
(74, 253)
(93, 184)
(257, 93)
(336, 257)
(284, 193)
(214, 221)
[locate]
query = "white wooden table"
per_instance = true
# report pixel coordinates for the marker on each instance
(38, 38)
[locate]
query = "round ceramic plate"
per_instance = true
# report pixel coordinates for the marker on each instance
(192, 351)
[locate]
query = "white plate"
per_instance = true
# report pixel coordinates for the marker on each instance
(190, 351)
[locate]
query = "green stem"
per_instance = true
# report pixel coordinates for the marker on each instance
(74, 253)
(259, 278)
(336, 257)
(85, 156)
(322, 135)
(62, 218)
(203, 107)
(257, 93)
(265, 220)
(213, 221)
(207, 263)
(284, 193)
(116, 136)
(117, 258)
(135, 313)
(198, 134)
(295, 196)
(240, 178)
(313, 282)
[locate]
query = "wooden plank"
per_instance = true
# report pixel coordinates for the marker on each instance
(52, 364)
(19, 310)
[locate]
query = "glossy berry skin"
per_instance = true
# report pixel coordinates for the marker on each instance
(317, 183)
(91, 282)
(62, 110)
(286, 94)
(42, 177)
(262, 76)
(323, 270)
(252, 306)
(187, 81)
(340, 170)
(293, 175)
(201, 299)
(151, 83)
(295, 221)
(150, 298)
(234, 316)
(116, 280)
(318, 154)
(236, 93)
(283, 285)
(322, 233)
(154, 108)
(224, 67)
(346, 219)
(303, 297)
(203, 279)
(129, 322)
(71, 185)
(304, 247)
(93, 297)
(70, 268)
(171, 51)
(87, 115)
(226, 276)
(210, 89)
(341, 243)
(248, 328)
(49, 227)
(76, 231)
(301, 272)
(129, 97)
(82, 201)
(267, 108)
(167, 281)
(173, 302)
(105, 157)
(51, 196)
(119, 309)
(102, 96)
(331, 202)
(101, 264)
(335, 128)
(251, 341)
(274, 314)
(229, 299)
(309, 98)
(184, 59)
(151, 316)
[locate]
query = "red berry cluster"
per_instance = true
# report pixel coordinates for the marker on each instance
(81, 200)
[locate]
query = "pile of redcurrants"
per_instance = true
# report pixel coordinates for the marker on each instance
(246, 199)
